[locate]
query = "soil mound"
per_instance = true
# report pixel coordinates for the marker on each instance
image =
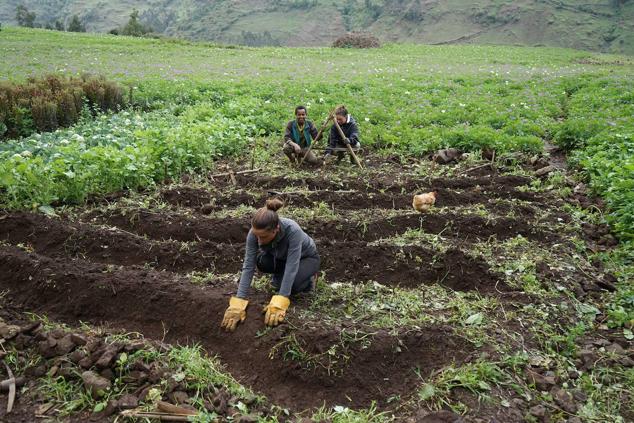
(408, 266)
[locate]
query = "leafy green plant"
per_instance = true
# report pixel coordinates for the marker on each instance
(479, 378)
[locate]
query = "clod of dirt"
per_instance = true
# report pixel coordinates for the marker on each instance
(65, 345)
(108, 356)
(538, 411)
(542, 382)
(588, 358)
(564, 399)
(545, 171)
(488, 154)
(179, 397)
(442, 416)
(447, 155)
(95, 384)
(207, 209)
(79, 339)
(8, 331)
(47, 348)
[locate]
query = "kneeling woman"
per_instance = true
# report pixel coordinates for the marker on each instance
(280, 247)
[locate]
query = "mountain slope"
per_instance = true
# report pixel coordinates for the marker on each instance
(600, 25)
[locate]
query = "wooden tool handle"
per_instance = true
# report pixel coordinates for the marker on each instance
(350, 150)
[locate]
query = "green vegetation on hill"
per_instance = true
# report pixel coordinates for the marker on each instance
(600, 25)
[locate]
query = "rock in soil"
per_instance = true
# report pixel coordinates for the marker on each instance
(95, 384)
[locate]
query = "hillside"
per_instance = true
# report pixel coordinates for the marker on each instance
(599, 25)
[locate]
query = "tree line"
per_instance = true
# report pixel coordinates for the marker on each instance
(132, 28)
(27, 19)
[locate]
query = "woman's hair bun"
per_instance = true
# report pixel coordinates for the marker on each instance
(274, 204)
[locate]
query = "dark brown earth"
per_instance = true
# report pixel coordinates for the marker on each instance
(163, 305)
(355, 260)
(353, 196)
(128, 268)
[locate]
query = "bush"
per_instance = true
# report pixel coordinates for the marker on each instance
(357, 40)
(51, 102)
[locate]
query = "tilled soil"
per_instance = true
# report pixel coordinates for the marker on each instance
(188, 228)
(342, 260)
(351, 196)
(162, 305)
(129, 268)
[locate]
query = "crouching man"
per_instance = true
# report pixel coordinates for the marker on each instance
(299, 134)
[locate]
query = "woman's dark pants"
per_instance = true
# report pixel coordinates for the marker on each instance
(308, 267)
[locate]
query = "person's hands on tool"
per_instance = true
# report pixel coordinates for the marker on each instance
(236, 313)
(276, 310)
(346, 141)
(296, 148)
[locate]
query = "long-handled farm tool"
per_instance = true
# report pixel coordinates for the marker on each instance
(350, 150)
(331, 116)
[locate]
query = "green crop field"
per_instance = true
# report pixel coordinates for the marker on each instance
(512, 299)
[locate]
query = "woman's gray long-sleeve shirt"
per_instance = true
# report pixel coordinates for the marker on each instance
(291, 244)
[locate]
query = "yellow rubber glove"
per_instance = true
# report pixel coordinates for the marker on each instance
(276, 310)
(236, 313)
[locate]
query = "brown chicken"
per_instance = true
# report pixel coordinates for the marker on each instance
(423, 202)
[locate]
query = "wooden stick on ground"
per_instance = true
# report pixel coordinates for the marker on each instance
(350, 150)
(164, 417)
(331, 115)
(475, 168)
(242, 172)
(166, 407)
(11, 389)
(165, 412)
(281, 193)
